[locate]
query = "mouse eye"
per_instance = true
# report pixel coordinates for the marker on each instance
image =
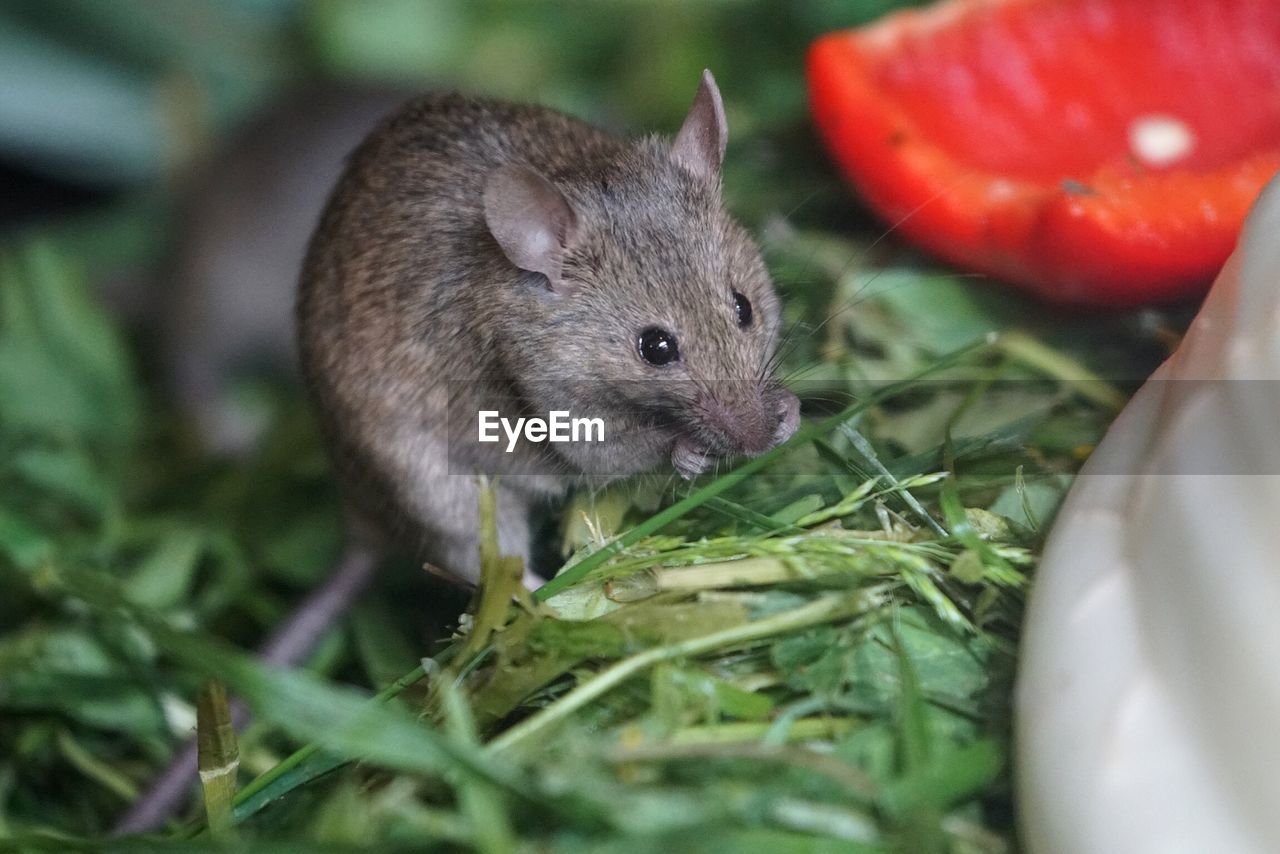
(657, 346)
(742, 306)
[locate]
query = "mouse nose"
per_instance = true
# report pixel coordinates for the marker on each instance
(750, 421)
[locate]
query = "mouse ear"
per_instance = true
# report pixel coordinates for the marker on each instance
(699, 146)
(531, 220)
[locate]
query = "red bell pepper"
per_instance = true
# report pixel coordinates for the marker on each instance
(1099, 152)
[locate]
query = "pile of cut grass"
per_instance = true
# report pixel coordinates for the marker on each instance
(813, 649)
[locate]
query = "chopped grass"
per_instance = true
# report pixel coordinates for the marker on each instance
(813, 648)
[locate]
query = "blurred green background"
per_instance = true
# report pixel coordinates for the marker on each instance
(120, 95)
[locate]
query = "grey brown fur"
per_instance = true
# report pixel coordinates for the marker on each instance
(412, 314)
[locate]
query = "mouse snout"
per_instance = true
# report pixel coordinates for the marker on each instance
(749, 420)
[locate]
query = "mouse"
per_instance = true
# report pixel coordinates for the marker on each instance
(479, 256)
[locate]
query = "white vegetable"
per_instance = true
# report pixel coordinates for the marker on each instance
(1148, 700)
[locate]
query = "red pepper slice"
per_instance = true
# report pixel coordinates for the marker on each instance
(1098, 152)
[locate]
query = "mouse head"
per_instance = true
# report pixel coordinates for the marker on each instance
(652, 308)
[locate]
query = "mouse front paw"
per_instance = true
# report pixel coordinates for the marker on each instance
(788, 407)
(689, 459)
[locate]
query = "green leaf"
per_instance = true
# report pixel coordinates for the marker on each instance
(72, 672)
(684, 695)
(797, 510)
(95, 769)
(384, 651)
(920, 820)
(164, 578)
(952, 776)
(63, 369)
(303, 548)
(404, 40)
(942, 312)
(22, 542)
(482, 803)
(66, 473)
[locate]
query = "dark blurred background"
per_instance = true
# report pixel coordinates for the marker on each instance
(104, 100)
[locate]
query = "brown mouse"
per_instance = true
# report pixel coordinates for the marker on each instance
(479, 255)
